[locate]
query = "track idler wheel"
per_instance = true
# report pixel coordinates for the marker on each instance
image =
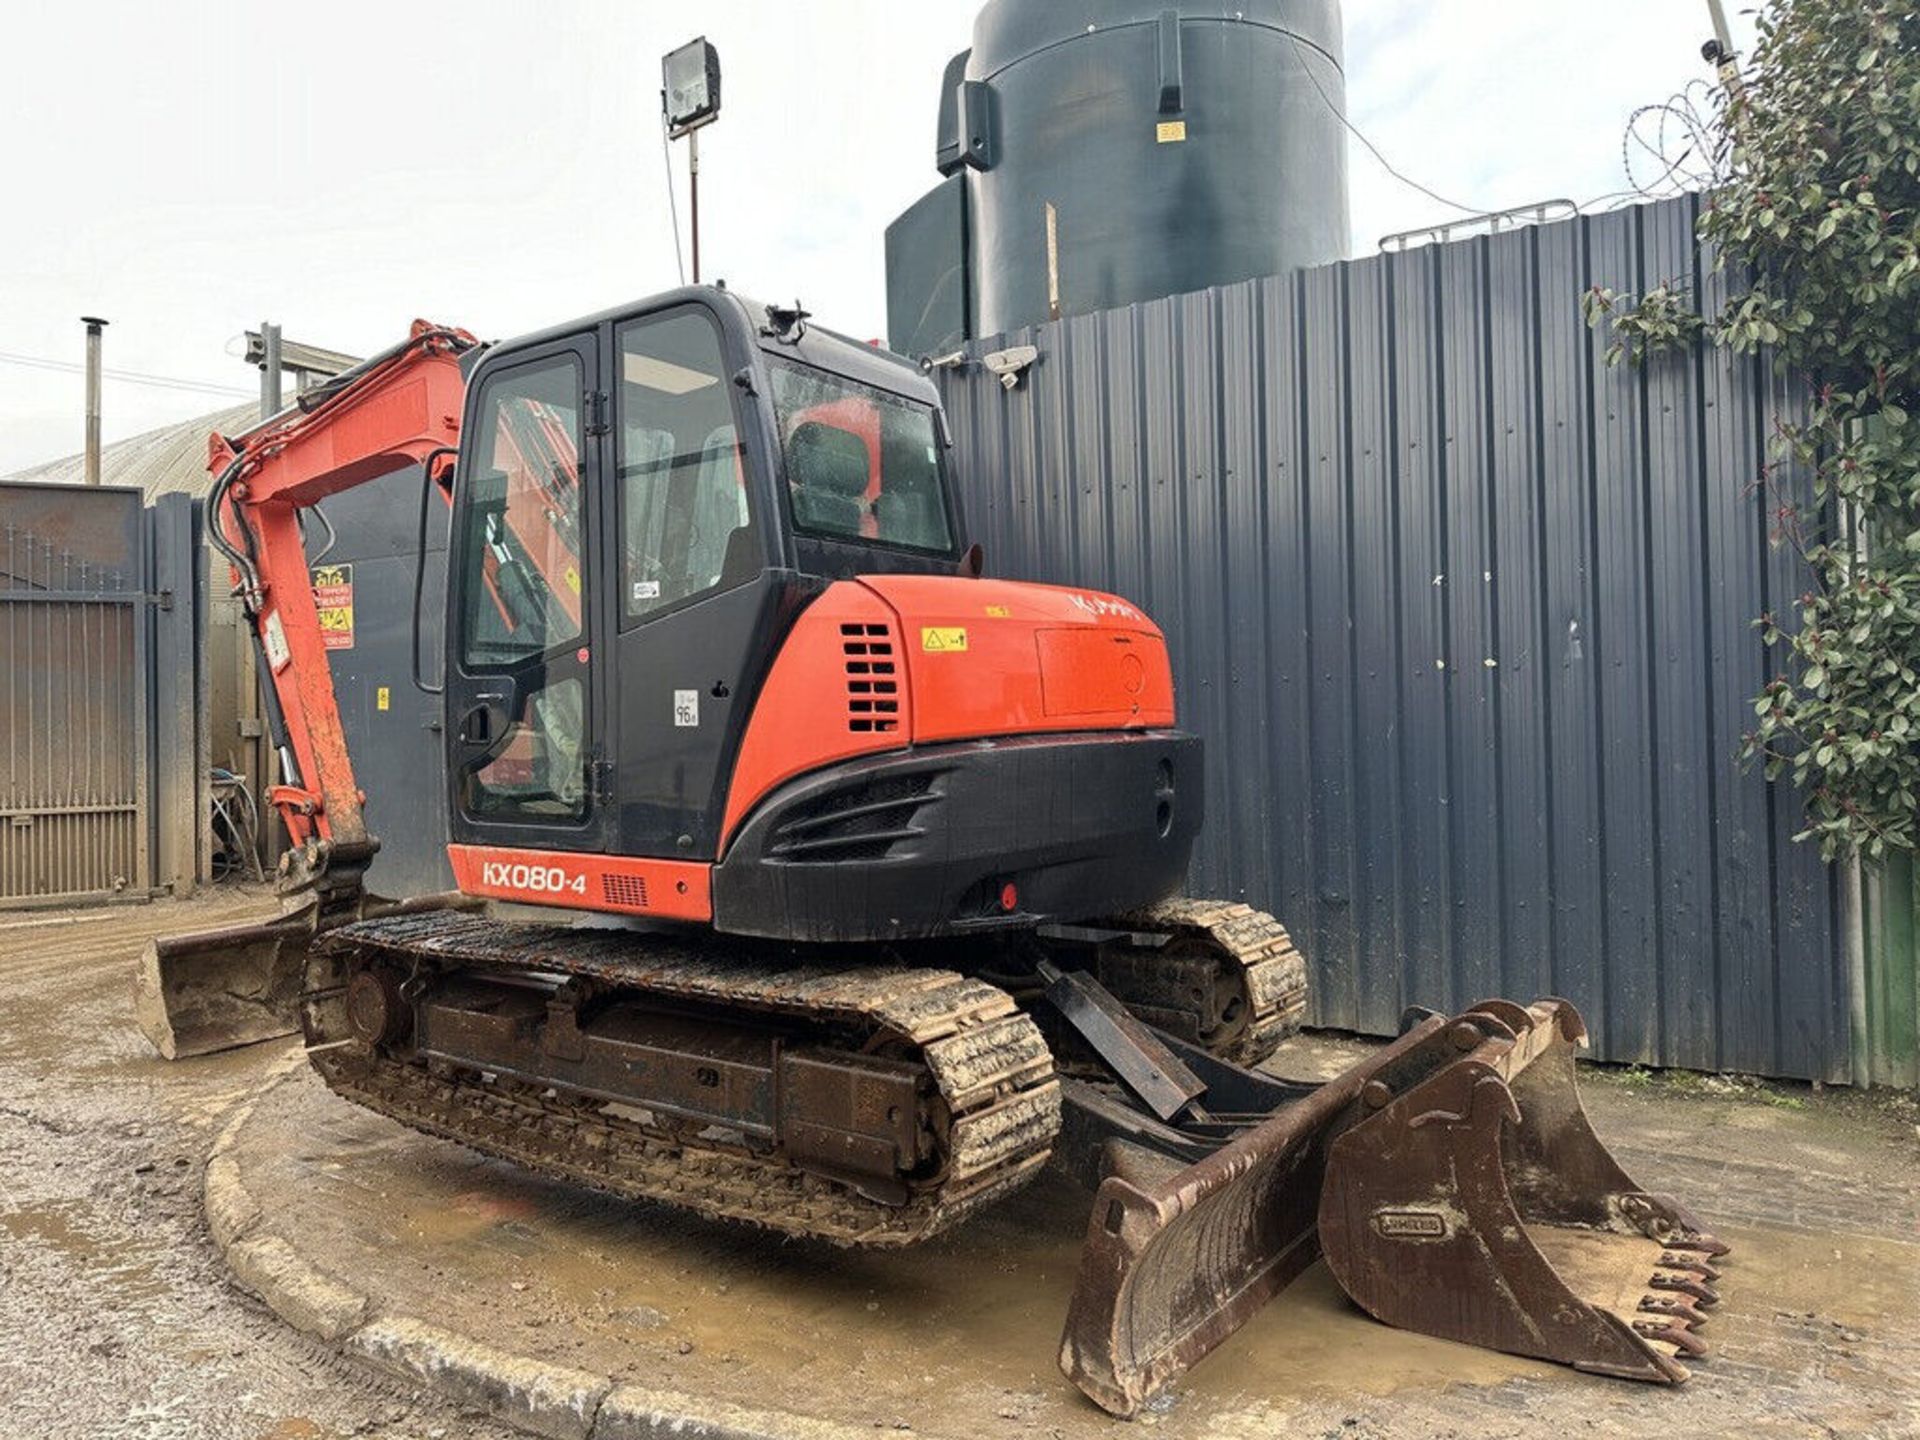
(1216, 973)
(377, 1013)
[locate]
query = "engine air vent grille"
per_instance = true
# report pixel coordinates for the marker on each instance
(628, 891)
(873, 679)
(866, 820)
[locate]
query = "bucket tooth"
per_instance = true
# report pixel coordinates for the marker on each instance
(1674, 1333)
(1702, 1242)
(1679, 1305)
(1678, 1260)
(1686, 1285)
(1662, 1218)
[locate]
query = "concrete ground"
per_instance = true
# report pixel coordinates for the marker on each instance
(117, 1317)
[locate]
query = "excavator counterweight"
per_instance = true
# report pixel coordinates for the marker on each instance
(863, 872)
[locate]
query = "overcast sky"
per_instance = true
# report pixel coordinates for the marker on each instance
(191, 168)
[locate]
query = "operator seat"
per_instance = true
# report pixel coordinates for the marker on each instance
(909, 510)
(828, 471)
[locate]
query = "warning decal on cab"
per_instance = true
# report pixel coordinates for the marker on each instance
(333, 598)
(941, 638)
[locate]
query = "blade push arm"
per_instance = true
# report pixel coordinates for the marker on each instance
(399, 409)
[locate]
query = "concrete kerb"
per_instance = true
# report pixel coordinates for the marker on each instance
(531, 1395)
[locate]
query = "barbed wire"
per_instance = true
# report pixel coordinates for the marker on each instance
(1677, 145)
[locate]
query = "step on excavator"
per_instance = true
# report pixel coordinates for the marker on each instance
(861, 872)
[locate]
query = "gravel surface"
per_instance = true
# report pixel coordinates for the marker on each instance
(117, 1317)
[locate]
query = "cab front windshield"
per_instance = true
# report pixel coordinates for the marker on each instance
(862, 465)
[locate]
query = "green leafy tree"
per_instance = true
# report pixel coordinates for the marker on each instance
(1821, 214)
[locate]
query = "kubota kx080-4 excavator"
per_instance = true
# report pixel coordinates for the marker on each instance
(881, 865)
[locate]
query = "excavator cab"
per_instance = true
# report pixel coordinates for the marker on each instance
(715, 633)
(644, 502)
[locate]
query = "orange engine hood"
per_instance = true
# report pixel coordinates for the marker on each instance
(885, 662)
(1000, 657)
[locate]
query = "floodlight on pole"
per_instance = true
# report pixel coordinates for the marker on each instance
(690, 99)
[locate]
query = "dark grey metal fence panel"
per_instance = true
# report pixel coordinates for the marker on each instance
(179, 758)
(74, 802)
(1465, 617)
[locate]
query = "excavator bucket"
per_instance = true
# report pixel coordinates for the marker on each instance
(1456, 1188)
(1478, 1205)
(1175, 1262)
(219, 989)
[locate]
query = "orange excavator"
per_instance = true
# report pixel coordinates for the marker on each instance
(809, 879)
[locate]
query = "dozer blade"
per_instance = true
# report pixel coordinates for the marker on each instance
(219, 989)
(1174, 1265)
(1456, 1188)
(1477, 1204)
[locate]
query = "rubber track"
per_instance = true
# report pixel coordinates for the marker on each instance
(1271, 967)
(989, 1064)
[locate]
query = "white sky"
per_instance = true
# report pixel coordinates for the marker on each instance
(188, 169)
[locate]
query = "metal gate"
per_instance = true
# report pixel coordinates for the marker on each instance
(74, 698)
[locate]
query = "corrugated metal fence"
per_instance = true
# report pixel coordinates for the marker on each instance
(1466, 619)
(102, 776)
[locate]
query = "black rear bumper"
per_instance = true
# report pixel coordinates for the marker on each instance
(926, 841)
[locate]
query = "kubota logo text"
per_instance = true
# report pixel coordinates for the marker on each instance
(532, 879)
(1104, 605)
(1410, 1224)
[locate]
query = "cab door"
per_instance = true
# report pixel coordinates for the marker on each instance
(698, 604)
(525, 699)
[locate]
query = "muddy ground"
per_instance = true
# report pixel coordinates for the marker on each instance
(116, 1316)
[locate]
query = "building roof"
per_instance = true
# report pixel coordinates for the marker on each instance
(170, 460)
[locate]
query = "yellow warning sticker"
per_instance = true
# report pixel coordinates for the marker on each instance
(383, 698)
(573, 579)
(999, 612)
(943, 639)
(1170, 132)
(333, 603)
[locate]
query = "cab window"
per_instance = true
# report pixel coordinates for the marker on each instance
(685, 523)
(861, 464)
(524, 517)
(523, 560)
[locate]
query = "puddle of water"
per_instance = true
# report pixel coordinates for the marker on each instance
(296, 1427)
(60, 1229)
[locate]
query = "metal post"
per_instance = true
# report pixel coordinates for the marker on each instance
(269, 370)
(1720, 30)
(1720, 53)
(693, 184)
(94, 326)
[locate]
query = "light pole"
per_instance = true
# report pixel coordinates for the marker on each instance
(690, 100)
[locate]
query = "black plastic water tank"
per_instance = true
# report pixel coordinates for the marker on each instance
(1116, 151)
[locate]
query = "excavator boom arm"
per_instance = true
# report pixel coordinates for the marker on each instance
(399, 409)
